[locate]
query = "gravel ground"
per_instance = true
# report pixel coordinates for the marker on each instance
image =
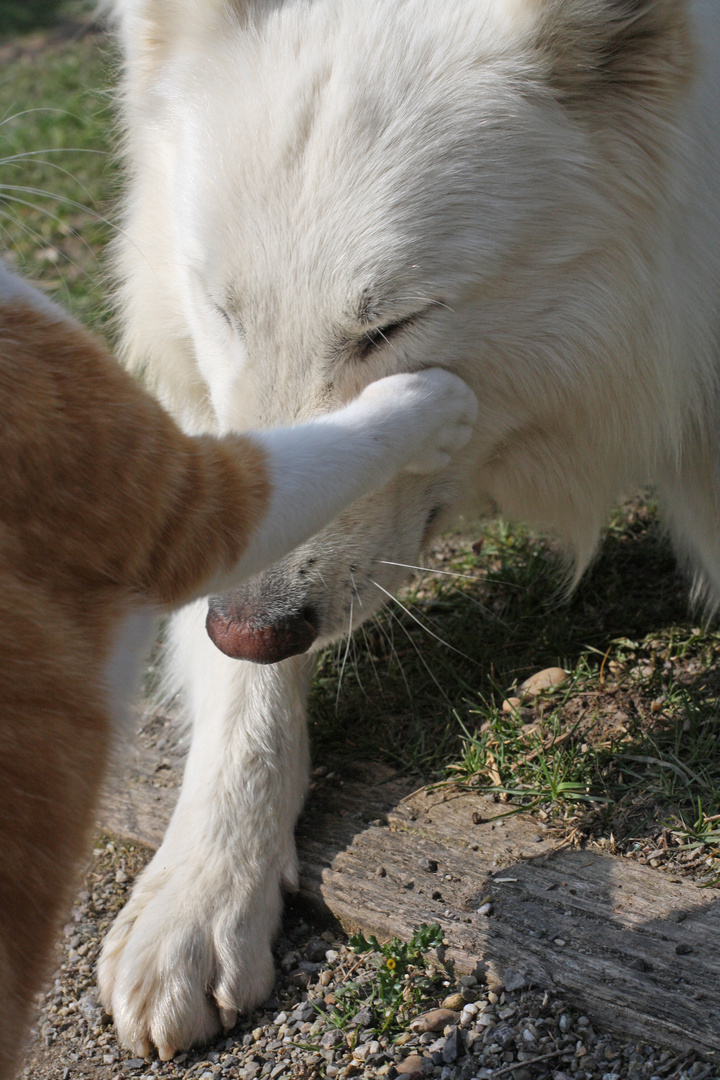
(485, 1032)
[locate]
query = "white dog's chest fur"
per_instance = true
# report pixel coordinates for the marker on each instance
(523, 191)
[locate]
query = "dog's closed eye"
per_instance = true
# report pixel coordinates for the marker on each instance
(222, 313)
(379, 336)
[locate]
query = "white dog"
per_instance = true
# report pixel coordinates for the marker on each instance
(326, 191)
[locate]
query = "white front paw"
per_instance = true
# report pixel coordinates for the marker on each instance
(186, 954)
(435, 413)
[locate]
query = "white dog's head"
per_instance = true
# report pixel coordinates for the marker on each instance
(327, 191)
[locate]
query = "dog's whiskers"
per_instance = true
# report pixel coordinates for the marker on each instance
(356, 591)
(353, 645)
(393, 615)
(368, 653)
(14, 159)
(322, 579)
(354, 660)
(483, 607)
(24, 189)
(10, 158)
(17, 224)
(345, 656)
(38, 108)
(420, 623)
(426, 569)
(451, 573)
(389, 636)
(7, 196)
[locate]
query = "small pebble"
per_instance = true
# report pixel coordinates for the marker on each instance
(315, 950)
(514, 980)
(547, 679)
(503, 1035)
(435, 1020)
(412, 1066)
(362, 1018)
(511, 705)
(455, 1002)
(453, 1046)
(304, 1012)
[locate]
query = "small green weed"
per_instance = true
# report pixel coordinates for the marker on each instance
(397, 985)
(697, 828)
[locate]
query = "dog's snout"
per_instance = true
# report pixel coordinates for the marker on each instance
(242, 633)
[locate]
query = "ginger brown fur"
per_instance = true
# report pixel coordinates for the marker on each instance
(105, 506)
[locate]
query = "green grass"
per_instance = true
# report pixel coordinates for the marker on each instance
(502, 619)
(628, 747)
(625, 754)
(57, 176)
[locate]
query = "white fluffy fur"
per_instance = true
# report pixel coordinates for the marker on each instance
(413, 421)
(406, 421)
(538, 182)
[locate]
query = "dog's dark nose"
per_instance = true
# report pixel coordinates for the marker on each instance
(240, 632)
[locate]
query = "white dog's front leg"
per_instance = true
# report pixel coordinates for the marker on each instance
(192, 946)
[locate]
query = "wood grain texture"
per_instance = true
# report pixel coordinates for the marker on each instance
(602, 929)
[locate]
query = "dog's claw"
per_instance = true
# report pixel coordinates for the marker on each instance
(165, 1053)
(228, 1018)
(141, 1048)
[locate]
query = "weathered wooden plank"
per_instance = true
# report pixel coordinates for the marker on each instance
(636, 949)
(142, 789)
(603, 929)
